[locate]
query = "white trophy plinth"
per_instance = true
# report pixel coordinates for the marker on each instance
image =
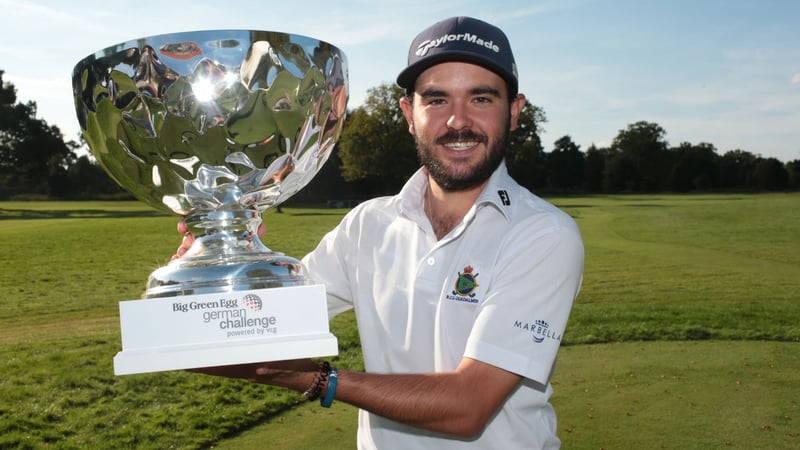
(226, 328)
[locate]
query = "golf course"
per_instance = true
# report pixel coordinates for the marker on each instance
(686, 333)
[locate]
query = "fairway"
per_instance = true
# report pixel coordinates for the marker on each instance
(636, 395)
(686, 333)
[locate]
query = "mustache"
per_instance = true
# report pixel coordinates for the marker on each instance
(461, 135)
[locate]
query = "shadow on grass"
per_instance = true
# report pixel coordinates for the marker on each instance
(99, 213)
(570, 205)
(311, 214)
(33, 214)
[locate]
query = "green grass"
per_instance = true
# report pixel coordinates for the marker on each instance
(66, 266)
(679, 395)
(632, 395)
(688, 267)
(686, 333)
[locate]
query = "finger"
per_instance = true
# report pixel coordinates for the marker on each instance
(187, 241)
(261, 229)
(244, 371)
(186, 244)
(182, 227)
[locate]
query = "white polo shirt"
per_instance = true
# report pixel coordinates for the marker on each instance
(498, 288)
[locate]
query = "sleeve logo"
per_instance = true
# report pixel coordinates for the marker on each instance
(539, 330)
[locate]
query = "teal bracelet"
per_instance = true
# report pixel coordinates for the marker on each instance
(333, 379)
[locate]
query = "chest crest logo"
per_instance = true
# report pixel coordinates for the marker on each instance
(466, 283)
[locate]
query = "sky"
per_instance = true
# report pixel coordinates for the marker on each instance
(724, 72)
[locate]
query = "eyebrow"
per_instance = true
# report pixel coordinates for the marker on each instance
(485, 90)
(479, 90)
(428, 93)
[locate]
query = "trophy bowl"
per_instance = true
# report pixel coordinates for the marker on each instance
(215, 126)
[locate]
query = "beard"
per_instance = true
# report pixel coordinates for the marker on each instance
(462, 178)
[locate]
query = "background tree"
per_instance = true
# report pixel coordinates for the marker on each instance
(736, 168)
(695, 168)
(638, 159)
(621, 173)
(376, 147)
(771, 175)
(525, 155)
(565, 166)
(33, 155)
(793, 169)
(594, 166)
(87, 180)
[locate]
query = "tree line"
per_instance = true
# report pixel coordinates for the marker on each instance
(376, 148)
(376, 154)
(35, 160)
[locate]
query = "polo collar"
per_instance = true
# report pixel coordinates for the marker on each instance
(501, 192)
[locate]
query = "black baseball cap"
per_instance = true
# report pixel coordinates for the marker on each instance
(463, 39)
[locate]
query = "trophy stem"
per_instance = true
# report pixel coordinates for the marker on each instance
(228, 232)
(228, 256)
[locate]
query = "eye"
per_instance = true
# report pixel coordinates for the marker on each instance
(435, 101)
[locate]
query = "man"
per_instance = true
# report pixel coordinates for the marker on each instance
(462, 283)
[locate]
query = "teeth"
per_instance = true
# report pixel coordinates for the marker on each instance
(462, 145)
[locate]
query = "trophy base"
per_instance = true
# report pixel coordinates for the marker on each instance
(224, 328)
(223, 354)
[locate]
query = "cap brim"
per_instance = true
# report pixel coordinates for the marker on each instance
(408, 76)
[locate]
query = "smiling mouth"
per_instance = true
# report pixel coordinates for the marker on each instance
(461, 145)
(461, 140)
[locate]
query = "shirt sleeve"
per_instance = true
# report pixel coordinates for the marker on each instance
(520, 324)
(327, 264)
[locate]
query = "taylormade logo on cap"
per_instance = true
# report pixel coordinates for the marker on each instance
(460, 39)
(425, 46)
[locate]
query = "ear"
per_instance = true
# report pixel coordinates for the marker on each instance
(516, 109)
(407, 107)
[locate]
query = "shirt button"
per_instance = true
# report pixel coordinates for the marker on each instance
(431, 261)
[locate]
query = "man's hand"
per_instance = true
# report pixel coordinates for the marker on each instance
(295, 374)
(186, 243)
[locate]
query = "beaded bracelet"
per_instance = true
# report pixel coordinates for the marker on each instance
(333, 380)
(313, 391)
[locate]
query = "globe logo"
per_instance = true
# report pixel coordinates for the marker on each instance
(252, 301)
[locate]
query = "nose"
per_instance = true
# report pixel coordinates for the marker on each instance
(459, 118)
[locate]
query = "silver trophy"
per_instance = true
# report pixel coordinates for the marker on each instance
(215, 126)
